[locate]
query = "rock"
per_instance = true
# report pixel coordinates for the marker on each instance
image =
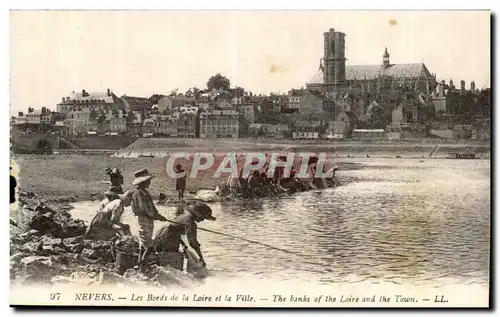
(168, 276)
(74, 228)
(74, 245)
(61, 280)
(16, 258)
(46, 224)
(73, 240)
(37, 268)
(31, 247)
(48, 241)
(112, 278)
(89, 253)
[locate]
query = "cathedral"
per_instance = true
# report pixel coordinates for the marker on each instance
(334, 76)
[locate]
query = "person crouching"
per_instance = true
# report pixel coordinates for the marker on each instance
(107, 224)
(168, 239)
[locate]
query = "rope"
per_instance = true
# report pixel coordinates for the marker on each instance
(243, 239)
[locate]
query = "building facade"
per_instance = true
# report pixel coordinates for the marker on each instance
(219, 123)
(334, 75)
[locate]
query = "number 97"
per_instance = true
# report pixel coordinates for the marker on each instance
(55, 296)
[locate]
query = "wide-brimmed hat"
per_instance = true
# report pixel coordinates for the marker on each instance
(141, 176)
(201, 210)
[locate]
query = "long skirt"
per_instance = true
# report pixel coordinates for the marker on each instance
(146, 225)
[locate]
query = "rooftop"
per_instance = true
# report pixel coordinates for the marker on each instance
(370, 72)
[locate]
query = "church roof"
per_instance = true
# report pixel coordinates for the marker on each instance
(361, 72)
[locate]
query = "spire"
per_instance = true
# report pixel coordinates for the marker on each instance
(385, 58)
(386, 54)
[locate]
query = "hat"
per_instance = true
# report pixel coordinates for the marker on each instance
(113, 171)
(201, 210)
(141, 176)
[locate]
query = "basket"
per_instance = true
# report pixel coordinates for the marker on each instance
(125, 261)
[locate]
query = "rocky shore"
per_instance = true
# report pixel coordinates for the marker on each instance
(47, 247)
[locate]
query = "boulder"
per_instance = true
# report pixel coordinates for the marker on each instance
(46, 224)
(16, 258)
(73, 228)
(38, 268)
(74, 245)
(31, 247)
(170, 276)
(136, 277)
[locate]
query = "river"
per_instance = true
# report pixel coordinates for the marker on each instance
(406, 222)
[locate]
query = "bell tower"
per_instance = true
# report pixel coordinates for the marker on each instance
(385, 59)
(334, 59)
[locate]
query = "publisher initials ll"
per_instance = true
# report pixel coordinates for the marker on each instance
(441, 299)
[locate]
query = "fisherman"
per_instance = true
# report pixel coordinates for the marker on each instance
(116, 178)
(169, 238)
(146, 212)
(106, 200)
(106, 224)
(180, 183)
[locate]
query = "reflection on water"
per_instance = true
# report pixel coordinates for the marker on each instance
(400, 221)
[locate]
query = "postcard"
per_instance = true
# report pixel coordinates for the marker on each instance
(250, 158)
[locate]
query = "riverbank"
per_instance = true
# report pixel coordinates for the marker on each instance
(380, 148)
(69, 178)
(48, 247)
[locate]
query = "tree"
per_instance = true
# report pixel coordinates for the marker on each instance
(218, 82)
(238, 92)
(173, 93)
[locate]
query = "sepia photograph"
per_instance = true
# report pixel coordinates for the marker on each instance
(278, 159)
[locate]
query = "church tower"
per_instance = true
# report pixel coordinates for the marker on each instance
(385, 59)
(334, 59)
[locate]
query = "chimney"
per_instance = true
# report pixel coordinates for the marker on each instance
(472, 86)
(83, 91)
(451, 85)
(62, 99)
(109, 92)
(462, 85)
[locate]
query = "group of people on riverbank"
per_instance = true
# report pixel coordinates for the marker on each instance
(107, 225)
(261, 184)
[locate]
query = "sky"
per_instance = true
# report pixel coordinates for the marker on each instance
(140, 53)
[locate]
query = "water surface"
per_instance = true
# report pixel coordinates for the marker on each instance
(399, 221)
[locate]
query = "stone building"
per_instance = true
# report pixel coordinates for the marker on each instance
(334, 75)
(219, 123)
(84, 99)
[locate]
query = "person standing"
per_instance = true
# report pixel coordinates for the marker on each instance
(146, 212)
(116, 178)
(13, 185)
(168, 239)
(180, 183)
